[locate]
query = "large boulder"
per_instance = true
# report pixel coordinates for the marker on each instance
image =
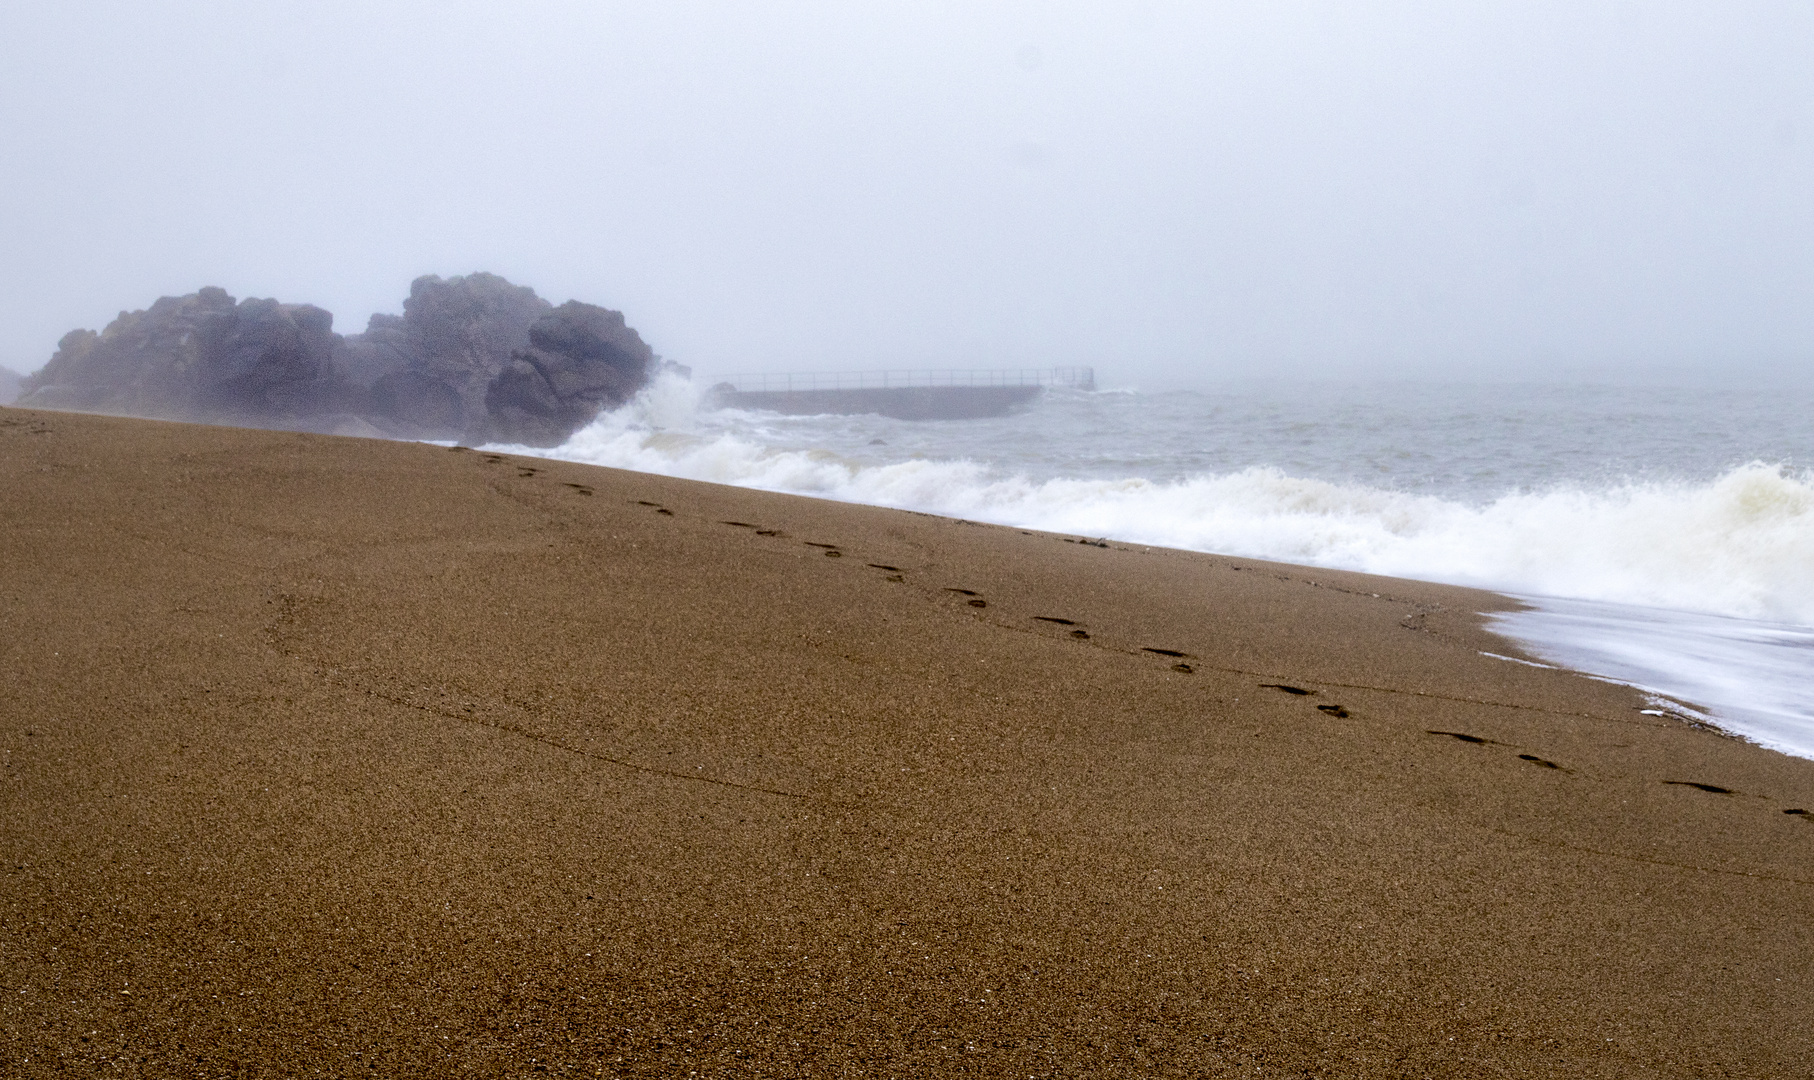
(472, 358)
(454, 338)
(580, 360)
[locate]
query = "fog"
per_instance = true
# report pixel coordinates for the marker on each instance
(1175, 193)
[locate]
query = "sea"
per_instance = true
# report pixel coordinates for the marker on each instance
(1657, 536)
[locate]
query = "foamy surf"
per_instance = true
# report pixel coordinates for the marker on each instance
(1753, 676)
(1705, 587)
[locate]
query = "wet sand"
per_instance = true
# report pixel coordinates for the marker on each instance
(339, 757)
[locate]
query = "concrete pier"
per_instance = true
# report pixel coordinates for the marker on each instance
(903, 395)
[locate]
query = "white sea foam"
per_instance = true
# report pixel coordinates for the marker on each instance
(1739, 545)
(1753, 675)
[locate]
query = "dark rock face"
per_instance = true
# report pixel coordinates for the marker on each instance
(455, 337)
(473, 358)
(579, 360)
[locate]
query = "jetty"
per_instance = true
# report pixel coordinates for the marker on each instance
(904, 394)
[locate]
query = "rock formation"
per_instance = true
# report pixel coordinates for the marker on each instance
(581, 359)
(197, 356)
(473, 358)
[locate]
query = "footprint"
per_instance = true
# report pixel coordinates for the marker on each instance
(1535, 760)
(1464, 737)
(885, 566)
(581, 488)
(1334, 710)
(1055, 619)
(770, 532)
(977, 603)
(645, 502)
(664, 510)
(1185, 668)
(739, 524)
(1081, 635)
(524, 470)
(1800, 812)
(495, 459)
(965, 592)
(1163, 652)
(1297, 690)
(459, 449)
(1714, 788)
(894, 577)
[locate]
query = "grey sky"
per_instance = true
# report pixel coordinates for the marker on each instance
(1174, 192)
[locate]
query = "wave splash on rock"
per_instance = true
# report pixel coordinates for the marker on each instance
(472, 358)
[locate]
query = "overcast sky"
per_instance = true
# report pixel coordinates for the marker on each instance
(1174, 192)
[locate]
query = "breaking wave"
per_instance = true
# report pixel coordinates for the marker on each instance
(1739, 545)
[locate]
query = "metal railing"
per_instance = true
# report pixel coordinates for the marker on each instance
(1079, 378)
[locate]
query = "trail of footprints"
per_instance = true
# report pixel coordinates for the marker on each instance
(975, 599)
(835, 551)
(1533, 759)
(1711, 789)
(1539, 762)
(526, 472)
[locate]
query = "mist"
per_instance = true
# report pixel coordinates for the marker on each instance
(1174, 193)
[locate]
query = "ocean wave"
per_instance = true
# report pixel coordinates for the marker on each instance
(1739, 545)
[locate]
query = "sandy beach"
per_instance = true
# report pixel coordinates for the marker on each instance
(331, 756)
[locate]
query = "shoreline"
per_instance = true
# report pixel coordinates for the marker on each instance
(331, 751)
(1743, 676)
